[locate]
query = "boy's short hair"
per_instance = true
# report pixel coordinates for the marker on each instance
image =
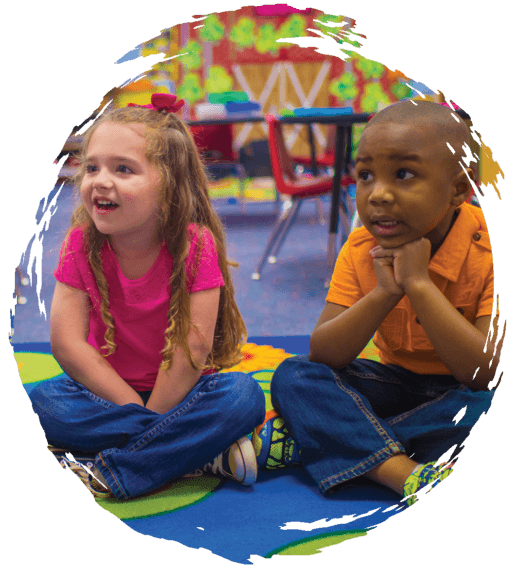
(438, 119)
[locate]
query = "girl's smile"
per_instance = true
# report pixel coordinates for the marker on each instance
(120, 186)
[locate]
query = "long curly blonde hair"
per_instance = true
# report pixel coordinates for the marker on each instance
(184, 199)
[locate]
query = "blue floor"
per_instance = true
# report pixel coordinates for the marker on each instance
(285, 302)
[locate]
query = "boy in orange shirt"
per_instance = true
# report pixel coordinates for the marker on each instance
(418, 275)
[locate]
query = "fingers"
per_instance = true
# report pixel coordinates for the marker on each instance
(380, 252)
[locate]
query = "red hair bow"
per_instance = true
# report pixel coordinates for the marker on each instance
(162, 102)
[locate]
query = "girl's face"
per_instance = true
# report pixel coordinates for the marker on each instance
(120, 185)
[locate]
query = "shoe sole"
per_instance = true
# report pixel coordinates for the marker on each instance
(247, 473)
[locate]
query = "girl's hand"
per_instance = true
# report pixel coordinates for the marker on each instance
(409, 263)
(384, 269)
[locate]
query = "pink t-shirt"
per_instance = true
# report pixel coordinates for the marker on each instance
(139, 307)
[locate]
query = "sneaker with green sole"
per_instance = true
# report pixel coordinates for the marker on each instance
(425, 475)
(273, 444)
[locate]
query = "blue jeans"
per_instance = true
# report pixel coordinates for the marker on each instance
(138, 450)
(350, 420)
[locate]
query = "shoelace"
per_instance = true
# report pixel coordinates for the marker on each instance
(216, 466)
(90, 481)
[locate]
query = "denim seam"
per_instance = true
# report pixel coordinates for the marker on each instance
(71, 383)
(113, 476)
(409, 413)
(373, 376)
(390, 450)
(369, 415)
(102, 401)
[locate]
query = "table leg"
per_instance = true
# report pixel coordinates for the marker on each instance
(312, 150)
(335, 199)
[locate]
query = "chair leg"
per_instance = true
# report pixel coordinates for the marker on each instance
(286, 212)
(272, 259)
(240, 173)
(320, 209)
(24, 281)
(345, 219)
(347, 211)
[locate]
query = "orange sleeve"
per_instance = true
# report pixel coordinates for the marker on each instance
(486, 301)
(344, 289)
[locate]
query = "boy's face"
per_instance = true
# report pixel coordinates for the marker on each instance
(406, 182)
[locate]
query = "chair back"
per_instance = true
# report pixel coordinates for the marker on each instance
(279, 157)
(214, 142)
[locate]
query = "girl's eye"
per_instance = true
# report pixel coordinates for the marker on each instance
(124, 169)
(90, 168)
(404, 174)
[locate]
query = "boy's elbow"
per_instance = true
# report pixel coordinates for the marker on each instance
(482, 377)
(316, 355)
(325, 354)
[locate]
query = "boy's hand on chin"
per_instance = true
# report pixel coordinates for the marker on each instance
(410, 262)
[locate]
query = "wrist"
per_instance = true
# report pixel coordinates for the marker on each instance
(384, 295)
(417, 285)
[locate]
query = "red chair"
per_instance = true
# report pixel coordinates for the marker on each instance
(325, 160)
(215, 145)
(294, 190)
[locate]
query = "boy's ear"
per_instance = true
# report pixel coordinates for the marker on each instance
(463, 186)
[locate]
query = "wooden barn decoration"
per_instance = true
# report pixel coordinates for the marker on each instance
(239, 51)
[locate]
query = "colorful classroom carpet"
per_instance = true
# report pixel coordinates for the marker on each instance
(282, 513)
(249, 190)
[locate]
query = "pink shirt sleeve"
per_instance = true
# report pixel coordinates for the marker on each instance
(202, 269)
(74, 269)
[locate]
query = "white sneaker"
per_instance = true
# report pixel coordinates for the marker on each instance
(87, 476)
(238, 463)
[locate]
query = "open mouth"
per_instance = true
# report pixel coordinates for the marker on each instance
(105, 204)
(387, 226)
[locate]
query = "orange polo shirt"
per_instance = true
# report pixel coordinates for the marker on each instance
(462, 268)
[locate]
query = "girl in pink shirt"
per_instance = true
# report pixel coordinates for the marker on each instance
(143, 317)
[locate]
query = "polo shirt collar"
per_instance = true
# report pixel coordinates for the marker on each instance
(449, 258)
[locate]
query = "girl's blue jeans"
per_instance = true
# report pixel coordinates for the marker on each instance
(138, 450)
(350, 420)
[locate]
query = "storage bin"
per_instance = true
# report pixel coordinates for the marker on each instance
(239, 107)
(318, 111)
(228, 97)
(206, 110)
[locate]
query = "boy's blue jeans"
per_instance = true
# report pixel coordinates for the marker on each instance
(138, 449)
(350, 420)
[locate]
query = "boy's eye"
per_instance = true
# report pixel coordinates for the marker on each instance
(404, 174)
(364, 176)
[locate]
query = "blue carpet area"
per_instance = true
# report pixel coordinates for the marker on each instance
(282, 513)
